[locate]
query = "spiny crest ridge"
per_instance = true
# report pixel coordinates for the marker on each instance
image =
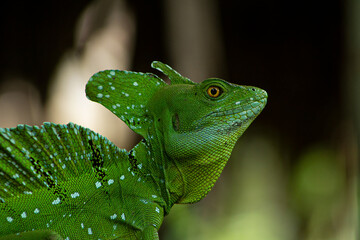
(173, 75)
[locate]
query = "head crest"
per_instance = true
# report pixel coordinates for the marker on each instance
(127, 94)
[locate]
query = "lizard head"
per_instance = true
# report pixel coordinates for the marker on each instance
(200, 124)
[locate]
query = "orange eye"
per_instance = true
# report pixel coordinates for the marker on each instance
(214, 91)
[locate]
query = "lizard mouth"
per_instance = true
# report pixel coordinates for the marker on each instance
(241, 115)
(241, 111)
(236, 114)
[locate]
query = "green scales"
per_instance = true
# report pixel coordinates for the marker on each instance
(68, 182)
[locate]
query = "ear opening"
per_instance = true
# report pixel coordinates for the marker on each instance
(176, 122)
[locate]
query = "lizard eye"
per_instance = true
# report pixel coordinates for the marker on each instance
(214, 91)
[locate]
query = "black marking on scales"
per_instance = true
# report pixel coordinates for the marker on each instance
(51, 184)
(97, 163)
(133, 161)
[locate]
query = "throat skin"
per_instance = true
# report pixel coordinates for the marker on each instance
(200, 170)
(192, 174)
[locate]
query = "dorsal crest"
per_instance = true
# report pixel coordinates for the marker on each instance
(127, 94)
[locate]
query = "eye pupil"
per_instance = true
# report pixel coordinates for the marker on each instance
(213, 91)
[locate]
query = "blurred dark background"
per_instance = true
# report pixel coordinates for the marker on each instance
(293, 173)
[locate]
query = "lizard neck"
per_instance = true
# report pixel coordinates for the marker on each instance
(191, 161)
(200, 156)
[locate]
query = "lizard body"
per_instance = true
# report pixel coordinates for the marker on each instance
(68, 182)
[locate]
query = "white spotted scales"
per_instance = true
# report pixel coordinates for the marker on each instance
(68, 182)
(125, 94)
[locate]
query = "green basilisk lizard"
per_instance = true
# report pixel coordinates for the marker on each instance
(68, 182)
